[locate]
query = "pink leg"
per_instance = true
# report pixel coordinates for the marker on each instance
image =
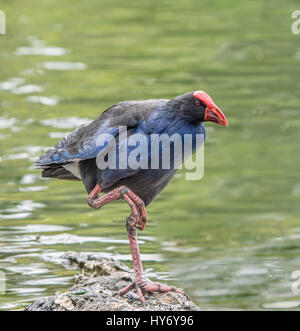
(135, 203)
(141, 283)
(137, 219)
(141, 206)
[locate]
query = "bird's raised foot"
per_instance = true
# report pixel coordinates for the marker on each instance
(146, 286)
(136, 221)
(138, 210)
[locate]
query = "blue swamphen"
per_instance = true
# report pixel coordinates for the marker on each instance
(75, 158)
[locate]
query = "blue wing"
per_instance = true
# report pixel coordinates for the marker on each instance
(83, 143)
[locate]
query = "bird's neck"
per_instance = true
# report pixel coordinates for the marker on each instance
(181, 123)
(165, 120)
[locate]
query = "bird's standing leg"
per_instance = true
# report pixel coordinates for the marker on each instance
(136, 204)
(141, 283)
(137, 219)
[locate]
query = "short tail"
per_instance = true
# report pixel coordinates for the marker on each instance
(58, 172)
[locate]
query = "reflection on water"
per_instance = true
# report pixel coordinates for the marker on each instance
(65, 122)
(58, 135)
(11, 84)
(7, 123)
(32, 188)
(282, 305)
(26, 89)
(230, 240)
(38, 47)
(47, 101)
(40, 50)
(64, 66)
(72, 239)
(37, 228)
(30, 179)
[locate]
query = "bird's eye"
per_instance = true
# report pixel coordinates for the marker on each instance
(198, 103)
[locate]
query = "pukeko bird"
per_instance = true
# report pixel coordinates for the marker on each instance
(75, 158)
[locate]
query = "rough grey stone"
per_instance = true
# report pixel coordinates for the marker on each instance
(96, 288)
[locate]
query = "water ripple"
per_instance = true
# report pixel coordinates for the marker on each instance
(64, 66)
(40, 50)
(66, 122)
(26, 89)
(47, 101)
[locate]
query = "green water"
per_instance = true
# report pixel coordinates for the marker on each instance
(230, 240)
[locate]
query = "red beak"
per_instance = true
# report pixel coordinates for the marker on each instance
(215, 115)
(212, 113)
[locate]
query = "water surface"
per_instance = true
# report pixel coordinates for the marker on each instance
(230, 240)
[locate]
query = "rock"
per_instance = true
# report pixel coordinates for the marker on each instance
(96, 288)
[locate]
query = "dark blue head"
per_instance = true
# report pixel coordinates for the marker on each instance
(196, 107)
